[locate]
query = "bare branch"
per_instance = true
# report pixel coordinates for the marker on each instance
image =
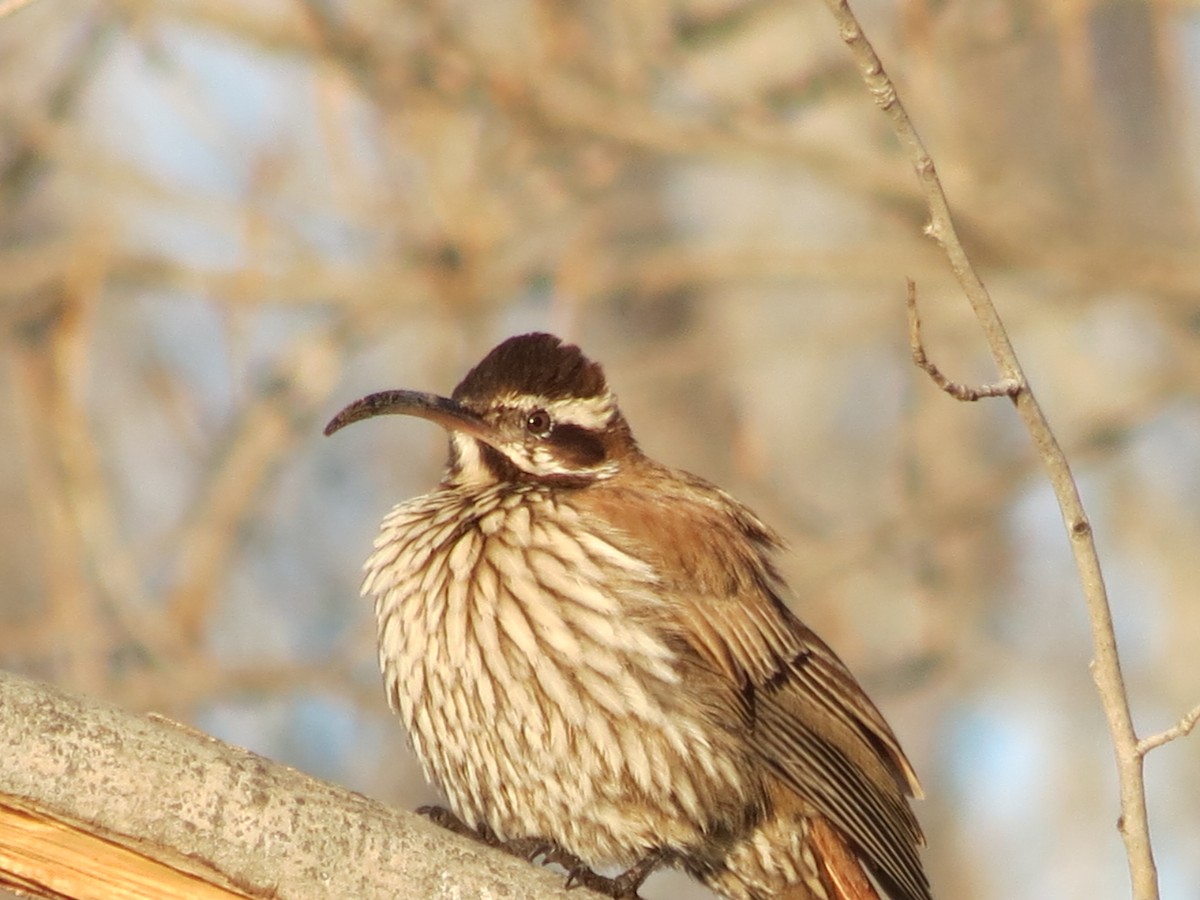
(95, 801)
(1182, 728)
(1005, 388)
(1106, 666)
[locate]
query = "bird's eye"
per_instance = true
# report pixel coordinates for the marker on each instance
(538, 423)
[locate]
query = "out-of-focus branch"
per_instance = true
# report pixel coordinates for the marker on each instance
(1106, 666)
(95, 801)
(256, 447)
(19, 170)
(8, 7)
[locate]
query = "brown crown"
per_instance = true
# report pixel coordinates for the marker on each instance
(536, 364)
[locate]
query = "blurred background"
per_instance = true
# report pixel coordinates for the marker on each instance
(221, 222)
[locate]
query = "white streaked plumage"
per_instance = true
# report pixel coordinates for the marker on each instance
(561, 666)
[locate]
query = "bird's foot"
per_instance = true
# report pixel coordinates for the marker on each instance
(624, 887)
(630, 881)
(528, 849)
(439, 815)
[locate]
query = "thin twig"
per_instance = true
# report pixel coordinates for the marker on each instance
(1007, 387)
(1182, 728)
(1106, 666)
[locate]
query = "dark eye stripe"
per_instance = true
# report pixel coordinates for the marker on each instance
(576, 446)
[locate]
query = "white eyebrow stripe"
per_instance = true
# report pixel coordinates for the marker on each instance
(593, 413)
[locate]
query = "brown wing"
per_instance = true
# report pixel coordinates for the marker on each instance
(815, 732)
(814, 725)
(818, 730)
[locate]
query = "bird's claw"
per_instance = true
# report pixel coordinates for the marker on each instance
(624, 887)
(439, 815)
(527, 849)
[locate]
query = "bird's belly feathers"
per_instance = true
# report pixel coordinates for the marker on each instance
(542, 704)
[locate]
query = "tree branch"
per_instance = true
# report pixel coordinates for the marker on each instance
(95, 801)
(957, 390)
(1106, 665)
(1181, 729)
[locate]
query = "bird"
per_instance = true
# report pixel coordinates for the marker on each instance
(593, 654)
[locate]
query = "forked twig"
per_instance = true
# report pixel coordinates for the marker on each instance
(1006, 387)
(1182, 728)
(1106, 664)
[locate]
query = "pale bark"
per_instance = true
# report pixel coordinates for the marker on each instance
(99, 802)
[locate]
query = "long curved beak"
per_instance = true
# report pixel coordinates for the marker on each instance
(450, 414)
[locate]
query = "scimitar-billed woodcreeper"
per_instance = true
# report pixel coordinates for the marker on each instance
(592, 655)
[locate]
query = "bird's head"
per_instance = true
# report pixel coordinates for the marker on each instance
(534, 409)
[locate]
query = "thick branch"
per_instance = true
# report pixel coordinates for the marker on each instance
(1106, 666)
(95, 801)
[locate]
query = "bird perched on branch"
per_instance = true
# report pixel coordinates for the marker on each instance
(592, 655)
